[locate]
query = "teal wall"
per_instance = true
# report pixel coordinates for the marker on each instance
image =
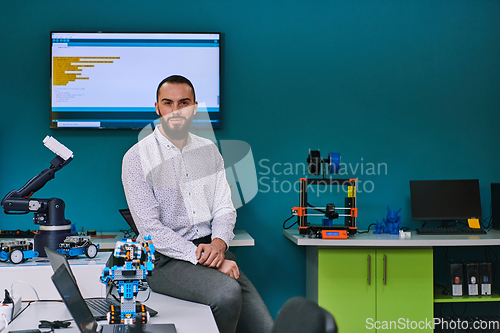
(411, 85)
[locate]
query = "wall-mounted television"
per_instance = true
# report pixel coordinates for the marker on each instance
(445, 200)
(109, 80)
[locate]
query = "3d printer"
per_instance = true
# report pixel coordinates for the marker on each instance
(331, 165)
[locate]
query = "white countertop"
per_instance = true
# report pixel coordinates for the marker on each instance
(385, 240)
(187, 316)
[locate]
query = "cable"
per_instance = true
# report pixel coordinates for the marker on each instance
(129, 233)
(5, 321)
(287, 221)
(368, 230)
(453, 310)
(29, 285)
(486, 222)
(54, 324)
(147, 298)
(316, 209)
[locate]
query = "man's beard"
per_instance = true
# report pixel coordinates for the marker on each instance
(177, 131)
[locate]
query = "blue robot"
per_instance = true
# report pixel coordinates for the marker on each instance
(392, 223)
(129, 279)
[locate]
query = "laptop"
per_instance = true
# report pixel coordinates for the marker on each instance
(68, 289)
(128, 217)
(99, 305)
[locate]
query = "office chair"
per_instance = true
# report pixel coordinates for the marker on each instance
(300, 315)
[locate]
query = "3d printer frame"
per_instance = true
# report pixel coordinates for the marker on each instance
(327, 232)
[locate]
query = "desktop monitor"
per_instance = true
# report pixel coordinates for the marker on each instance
(445, 200)
(109, 80)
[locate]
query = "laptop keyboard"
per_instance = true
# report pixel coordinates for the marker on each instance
(100, 305)
(121, 328)
(451, 231)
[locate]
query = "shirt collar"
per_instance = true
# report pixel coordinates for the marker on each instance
(167, 143)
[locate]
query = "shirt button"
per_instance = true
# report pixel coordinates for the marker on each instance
(194, 212)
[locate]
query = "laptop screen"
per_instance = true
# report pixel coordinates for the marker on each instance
(56, 260)
(74, 301)
(128, 217)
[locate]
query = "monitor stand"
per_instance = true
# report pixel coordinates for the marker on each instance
(446, 223)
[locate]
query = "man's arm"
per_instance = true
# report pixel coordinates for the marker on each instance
(223, 212)
(211, 255)
(145, 210)
(230, 268)
(223, 219)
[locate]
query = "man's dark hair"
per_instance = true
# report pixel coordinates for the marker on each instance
(175, 79)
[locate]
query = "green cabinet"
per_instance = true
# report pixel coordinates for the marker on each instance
(381, 288)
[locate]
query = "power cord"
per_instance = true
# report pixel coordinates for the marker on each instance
(29, 285)
(288, 219)
(2, 317)
(147, 298)
(54, 324)
(368, 230)
(316, 209)
(128, 233)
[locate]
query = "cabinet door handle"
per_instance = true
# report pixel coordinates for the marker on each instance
(369, 269)
(385, 269)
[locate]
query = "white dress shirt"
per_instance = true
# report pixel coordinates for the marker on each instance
(176, 196)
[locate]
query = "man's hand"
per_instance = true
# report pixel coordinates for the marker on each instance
(230, 268)
(211, 255)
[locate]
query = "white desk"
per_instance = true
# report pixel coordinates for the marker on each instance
(188, 317)
(386, 240)
(241, 238)
(380, 276)
(37, 272)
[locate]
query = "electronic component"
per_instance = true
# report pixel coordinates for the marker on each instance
(456, 279)
(129, 279)
(472, 279)
(485, 278)
(317, 166)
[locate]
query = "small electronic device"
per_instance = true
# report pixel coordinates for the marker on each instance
(129, 279)
(17, 233)
(333, 234)
(108, 80)
(485, 278)
(327, 166)
(456, 279)
(472, 275)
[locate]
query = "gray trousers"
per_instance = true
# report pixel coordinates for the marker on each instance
(236, 304)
